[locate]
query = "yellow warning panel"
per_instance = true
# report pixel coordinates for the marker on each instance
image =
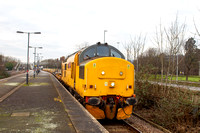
(95, 111)
(125, 112)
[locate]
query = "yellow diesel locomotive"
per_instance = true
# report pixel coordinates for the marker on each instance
(102, 79)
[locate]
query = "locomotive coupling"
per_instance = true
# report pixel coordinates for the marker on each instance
(131, 101)
(94, 101)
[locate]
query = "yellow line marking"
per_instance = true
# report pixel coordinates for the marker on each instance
(58, 100)
(12, 83)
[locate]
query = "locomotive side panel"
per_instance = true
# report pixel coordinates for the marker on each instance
(64, 72)
(68, 72)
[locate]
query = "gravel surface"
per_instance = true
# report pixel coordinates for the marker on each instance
(142, 125)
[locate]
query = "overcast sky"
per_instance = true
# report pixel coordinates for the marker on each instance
(64, 24)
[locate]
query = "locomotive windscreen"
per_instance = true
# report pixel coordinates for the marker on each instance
(100, 50)
(103, 51)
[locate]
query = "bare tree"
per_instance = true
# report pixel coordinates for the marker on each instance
(129, 52)
(150, 59)
(197, 31)
(158, 40)
(138, 44)
(175, 38)
(82, 45)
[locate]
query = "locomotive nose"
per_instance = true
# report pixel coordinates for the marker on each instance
(111, 73)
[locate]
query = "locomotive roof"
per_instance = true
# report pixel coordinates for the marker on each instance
(97, 50)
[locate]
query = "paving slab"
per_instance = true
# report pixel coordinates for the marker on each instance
(32, 108)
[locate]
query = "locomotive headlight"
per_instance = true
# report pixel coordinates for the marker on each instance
(121, 73)
(112, 84)
(102, 73)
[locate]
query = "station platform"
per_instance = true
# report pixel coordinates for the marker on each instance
(44, 106)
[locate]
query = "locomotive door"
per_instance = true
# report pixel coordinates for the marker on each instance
(73, 73)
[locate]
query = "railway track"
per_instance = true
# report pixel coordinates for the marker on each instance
(134, 124)
(145, 125)
(118, 126)
(115, 126)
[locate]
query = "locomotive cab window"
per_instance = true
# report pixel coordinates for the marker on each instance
(89, 53)
(102, 51)
(114, 53)
(98, 51)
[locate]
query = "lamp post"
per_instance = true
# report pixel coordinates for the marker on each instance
(34, 57)
(118, 44)
(28, 51)
(105, 36)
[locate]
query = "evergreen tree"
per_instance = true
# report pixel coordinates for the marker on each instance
(191, 56)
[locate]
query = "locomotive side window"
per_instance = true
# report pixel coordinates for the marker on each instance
(69, 65)
(89, 53)
(102, 51)
(115, 54)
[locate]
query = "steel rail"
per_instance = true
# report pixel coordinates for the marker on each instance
(151, 123)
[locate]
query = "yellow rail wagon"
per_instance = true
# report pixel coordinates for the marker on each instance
(102, 79)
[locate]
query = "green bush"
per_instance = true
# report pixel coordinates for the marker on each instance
(3, 74)
(170, 107)
(9, 65)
